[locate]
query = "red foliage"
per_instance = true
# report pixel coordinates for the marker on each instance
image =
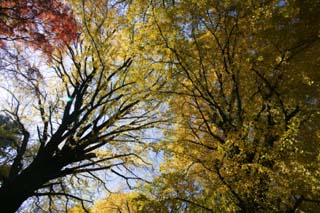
(43, 24)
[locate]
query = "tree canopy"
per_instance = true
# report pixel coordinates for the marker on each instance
(231, 89)
(43, 24)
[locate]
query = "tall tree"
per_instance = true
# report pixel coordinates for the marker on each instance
(244, 94)
(89, 113)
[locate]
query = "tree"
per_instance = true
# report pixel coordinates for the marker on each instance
(29, 26)
(244, 94)
(90, 111)
(132, 202)
(117, 202)
(42, 24)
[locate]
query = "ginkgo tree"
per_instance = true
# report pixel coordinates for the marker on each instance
(244, 94)
(86, 112)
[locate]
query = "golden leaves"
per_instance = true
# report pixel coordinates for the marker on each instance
(232, 73)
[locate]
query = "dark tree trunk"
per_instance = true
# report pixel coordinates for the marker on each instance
(17, 190)
(11, 197)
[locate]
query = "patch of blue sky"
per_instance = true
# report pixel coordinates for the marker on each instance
(282, 3)
(233, 13)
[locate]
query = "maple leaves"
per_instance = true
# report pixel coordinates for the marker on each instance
(42, 24)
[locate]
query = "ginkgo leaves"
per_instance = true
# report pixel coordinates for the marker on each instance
(235, 99)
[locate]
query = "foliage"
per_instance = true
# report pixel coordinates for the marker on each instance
(43, 24)
(244, 94)
(236, 84)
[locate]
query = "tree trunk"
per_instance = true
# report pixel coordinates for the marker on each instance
(17, 190)
(12, 197)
